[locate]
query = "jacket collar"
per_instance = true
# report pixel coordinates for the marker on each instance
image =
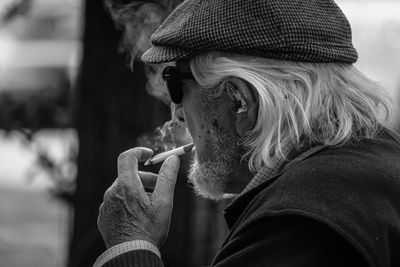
(238, 205)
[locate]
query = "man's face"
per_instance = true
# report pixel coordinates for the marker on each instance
(211, 123)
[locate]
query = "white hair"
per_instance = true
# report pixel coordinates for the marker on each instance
(299, 102)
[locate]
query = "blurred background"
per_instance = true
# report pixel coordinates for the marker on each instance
(69, 104)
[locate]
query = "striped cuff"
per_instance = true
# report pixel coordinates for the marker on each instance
(122, 248)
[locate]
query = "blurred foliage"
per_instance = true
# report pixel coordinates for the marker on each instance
(15, 9)
(35, 109)
(23, 113)
(61, 172)
(138, 19)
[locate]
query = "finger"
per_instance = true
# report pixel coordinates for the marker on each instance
(100, 215)
(126, 157)
(101, 208)
(148, 179)
(115, 182)
(164, 190)
(128, 165)
(109, 192)
(141, 153)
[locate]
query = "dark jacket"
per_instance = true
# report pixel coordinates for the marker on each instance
(336, 207)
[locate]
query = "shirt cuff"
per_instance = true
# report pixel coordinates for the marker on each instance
(122, 248)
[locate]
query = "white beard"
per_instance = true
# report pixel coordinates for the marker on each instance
(209, 179)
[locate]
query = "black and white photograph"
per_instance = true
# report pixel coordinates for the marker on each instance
(193, 133)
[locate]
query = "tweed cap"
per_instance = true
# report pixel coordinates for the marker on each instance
(296, 30)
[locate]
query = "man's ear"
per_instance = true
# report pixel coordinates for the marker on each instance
(245, 105)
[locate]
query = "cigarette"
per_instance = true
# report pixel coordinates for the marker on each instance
(163, 156)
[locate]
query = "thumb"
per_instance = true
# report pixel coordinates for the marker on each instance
(166, 180)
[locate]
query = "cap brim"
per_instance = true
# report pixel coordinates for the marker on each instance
(163, 54)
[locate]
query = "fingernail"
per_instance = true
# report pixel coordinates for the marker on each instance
(173, 160)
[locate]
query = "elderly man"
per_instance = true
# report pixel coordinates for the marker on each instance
(283, 124)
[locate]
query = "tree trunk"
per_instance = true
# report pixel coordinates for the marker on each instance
(113, 111)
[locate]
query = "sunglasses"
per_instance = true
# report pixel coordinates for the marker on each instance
(173, 79)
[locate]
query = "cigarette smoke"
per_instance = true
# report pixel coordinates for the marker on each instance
(171, 135)
(139, 19)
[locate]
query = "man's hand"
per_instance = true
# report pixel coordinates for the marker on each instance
(128, 212)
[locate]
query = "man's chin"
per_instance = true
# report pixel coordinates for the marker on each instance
(210, 192)
(209, 180)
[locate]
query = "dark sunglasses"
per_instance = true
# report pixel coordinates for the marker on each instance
(173, 79)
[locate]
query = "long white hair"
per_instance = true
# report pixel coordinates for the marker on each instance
(299, 102)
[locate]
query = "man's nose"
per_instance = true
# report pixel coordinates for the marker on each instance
(177, 113)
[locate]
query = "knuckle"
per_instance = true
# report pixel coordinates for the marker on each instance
(123, 156)
(170, 169)
(108, 193)
(164, 177)
(123, 186)
(99, 223)
(163, 201)
(134, 152)
(101, 208)
(100, 215)
(123, 178)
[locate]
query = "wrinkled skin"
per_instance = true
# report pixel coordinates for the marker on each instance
(217, 170)
(128, 212)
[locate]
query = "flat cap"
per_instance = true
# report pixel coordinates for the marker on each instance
(296, 30)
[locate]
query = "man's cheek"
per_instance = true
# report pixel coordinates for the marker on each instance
(191, 125)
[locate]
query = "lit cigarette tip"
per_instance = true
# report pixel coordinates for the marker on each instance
(163, 156)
